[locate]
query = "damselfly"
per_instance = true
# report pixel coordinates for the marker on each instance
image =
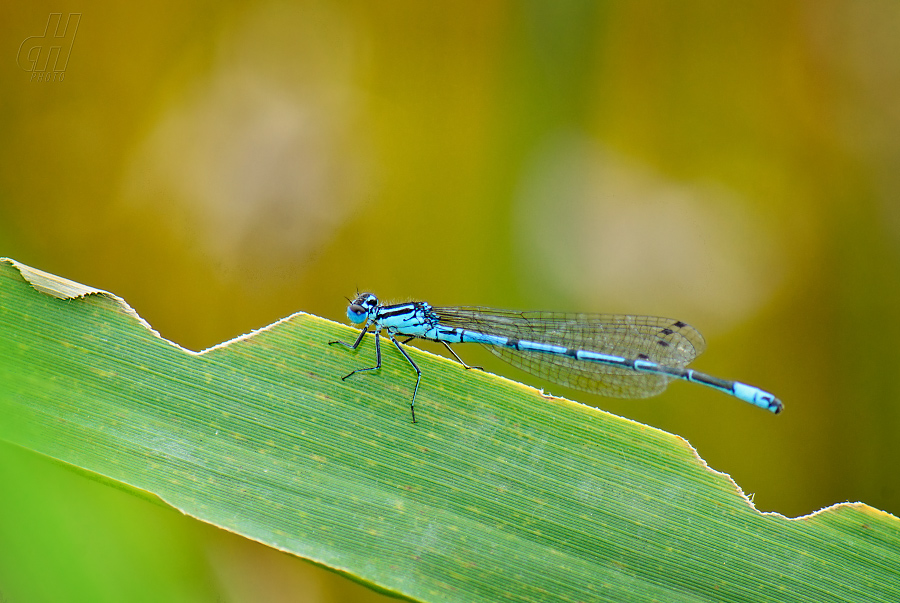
(616, 355)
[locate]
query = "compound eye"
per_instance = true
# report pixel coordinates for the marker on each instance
(356, 313)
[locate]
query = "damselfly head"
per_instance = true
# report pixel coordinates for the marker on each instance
(362, 308)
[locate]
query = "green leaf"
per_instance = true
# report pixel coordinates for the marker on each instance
(498, 493)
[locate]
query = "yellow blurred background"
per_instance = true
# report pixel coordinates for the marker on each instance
(221, 165)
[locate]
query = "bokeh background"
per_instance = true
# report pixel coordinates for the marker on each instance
(223, 164)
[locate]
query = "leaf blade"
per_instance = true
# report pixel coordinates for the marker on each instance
(496, 494)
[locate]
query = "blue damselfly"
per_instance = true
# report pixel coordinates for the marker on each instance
(616, 355)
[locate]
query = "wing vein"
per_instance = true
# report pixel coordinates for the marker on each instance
(661, 340)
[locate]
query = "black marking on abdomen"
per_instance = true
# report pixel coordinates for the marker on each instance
(664, 344)
(720, 384)
(662, 369)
